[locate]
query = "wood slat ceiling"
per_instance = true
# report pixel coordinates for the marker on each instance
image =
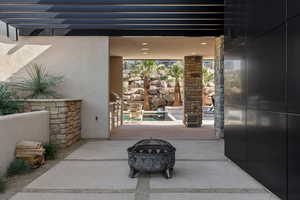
(115, 17)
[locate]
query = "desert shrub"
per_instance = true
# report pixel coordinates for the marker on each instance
(7, 105)
(18, 166)
(39, 83)
(2, 184)
(51, 151)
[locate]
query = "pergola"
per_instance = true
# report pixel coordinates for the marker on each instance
(112, 17)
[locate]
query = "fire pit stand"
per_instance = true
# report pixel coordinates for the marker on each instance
(151, 155)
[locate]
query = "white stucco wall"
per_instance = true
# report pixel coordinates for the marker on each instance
(33, 126)
(84, 61)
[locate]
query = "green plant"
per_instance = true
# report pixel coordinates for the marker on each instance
(18, 166)
(51, 151)
(39, 83)
(7, 106)
(208, 76)
(176, 72)
(2, 184)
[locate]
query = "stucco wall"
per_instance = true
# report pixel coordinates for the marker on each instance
(33, 126)
(84, 61)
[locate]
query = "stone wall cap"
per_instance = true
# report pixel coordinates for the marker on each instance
(48, 100)
(24, 114)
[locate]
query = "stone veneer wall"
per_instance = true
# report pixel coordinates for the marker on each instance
(219, 87)
(64, 118)
(193, 91)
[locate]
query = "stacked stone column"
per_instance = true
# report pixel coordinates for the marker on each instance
(193, 91)
(219, 87)
(64, 118)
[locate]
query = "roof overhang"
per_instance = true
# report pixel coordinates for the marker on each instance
(115, 17)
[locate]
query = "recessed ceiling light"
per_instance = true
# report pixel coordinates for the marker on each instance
(145, 49)
(144, 43)
(145, 53)
(204, 43)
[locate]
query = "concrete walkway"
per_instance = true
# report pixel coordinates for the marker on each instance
(98, 170)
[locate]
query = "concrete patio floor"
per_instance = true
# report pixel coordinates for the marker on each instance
(98, 170)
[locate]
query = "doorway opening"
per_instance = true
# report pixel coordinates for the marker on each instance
(151, 92)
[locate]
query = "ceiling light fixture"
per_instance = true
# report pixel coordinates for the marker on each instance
(204, 43)
(144, 43)
(145, 53)
(145, 49)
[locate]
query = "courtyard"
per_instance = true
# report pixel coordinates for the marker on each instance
(98, 169)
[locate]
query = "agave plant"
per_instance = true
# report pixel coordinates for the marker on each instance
(39, 84)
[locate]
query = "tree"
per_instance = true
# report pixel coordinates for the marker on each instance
(176, 72)
(146, 68)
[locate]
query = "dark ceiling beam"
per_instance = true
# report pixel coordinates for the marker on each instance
(105, 8)
(113, 21)
(120, 27)
(74, 15)
(111, 2)
(95, 32)
(114, 17)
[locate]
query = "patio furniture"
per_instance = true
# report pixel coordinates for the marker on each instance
(151, 155)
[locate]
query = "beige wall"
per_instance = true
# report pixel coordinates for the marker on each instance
(116, 74)
(32, 126)
(83, 61)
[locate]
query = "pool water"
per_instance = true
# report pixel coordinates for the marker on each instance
(148, 117)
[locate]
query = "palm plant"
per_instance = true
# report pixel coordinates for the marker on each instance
(39, 83)
(208, 76)
(176, 72)
(146, 68)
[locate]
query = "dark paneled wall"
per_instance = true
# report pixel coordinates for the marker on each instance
(262, 91)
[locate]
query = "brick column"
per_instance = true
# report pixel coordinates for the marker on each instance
(193, 91)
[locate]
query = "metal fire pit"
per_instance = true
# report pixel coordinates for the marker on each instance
(151, 155)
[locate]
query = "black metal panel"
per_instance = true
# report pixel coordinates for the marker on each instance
(235, 134)
(293, 157)
(235, 76)
(236, 22)
(266, 149)
(266, 72)
(293, 7)
(293, 65)
(264, 15)
(123, 16)
(258, 27)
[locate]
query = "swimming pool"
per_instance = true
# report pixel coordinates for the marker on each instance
(150, 116)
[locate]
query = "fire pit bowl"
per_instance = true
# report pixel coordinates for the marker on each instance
(151, 155)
